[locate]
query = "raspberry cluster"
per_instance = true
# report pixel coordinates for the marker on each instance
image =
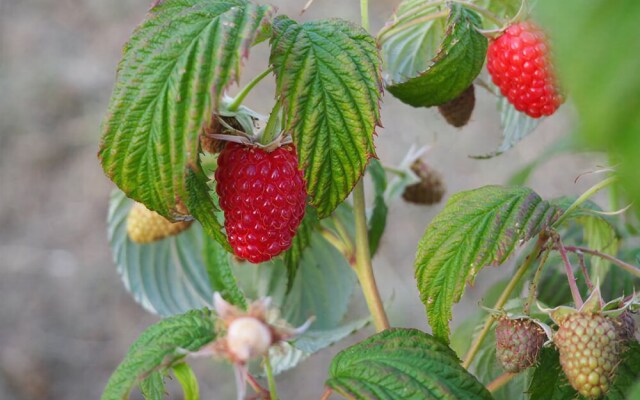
(518, 62)
(263, 196)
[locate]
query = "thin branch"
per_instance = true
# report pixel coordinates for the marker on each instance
(533, 288)
(575, 293)
(616, 261)
(500, 381)
(327, 393)
(583, 267)
(262, 392)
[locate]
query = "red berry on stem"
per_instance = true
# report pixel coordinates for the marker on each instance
(518, 62)
(263, 197)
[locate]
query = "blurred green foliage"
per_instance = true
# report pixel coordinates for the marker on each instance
(597, 49)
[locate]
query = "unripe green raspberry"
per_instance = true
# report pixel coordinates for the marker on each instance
(589, 346)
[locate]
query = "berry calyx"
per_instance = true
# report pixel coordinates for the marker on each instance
(518, 343)
(519, 64)
(263, 197)
(146, 226)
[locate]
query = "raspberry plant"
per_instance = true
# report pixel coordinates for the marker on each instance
(247, 233)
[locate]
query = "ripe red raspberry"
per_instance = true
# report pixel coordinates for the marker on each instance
(518, 61)
(263, 198)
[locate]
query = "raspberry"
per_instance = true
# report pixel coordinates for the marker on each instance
(458, 111)
(589, 346)
(146, 226)
(518, 62)
(626, 325)
(263, 198)
(429, 190)
(518, 343)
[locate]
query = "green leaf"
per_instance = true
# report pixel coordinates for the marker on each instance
(550, 383)
(476, 228)
(300, 242)
(152, 387)
(635, 392)
(188, 381)
(322, 288)
(431, 53)
(378, 215)
(515, 127)
(201, 205)
(221, 277)
(594, 46)
(166, 277)
(402, 364)
(159, 347)
(328, 80)
(599, 235)
(289, 355)
(504, 9)
(182, 53)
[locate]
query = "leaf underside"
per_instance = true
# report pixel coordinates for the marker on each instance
(402, 364)
(169, 276)
(430, 63)
(185, 51)
(329, 83)
(515, 127)
(476, 228)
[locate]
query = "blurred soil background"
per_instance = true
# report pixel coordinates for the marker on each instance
(65, 318)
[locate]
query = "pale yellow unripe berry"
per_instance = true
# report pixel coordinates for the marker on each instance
(146, 226)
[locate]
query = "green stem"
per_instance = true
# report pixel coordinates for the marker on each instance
(414, 21)
(533, 288)
(271, 131)
(364, 14)
(506, 293)
(270, 379)
(484, 12)
(363, 267)
(410, 15)
(584, 197)
(500, 381)
(237, 101)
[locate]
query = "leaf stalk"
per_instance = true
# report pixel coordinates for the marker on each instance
(272, 382)
(237, 101)
(632, 269)
(584, 197)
